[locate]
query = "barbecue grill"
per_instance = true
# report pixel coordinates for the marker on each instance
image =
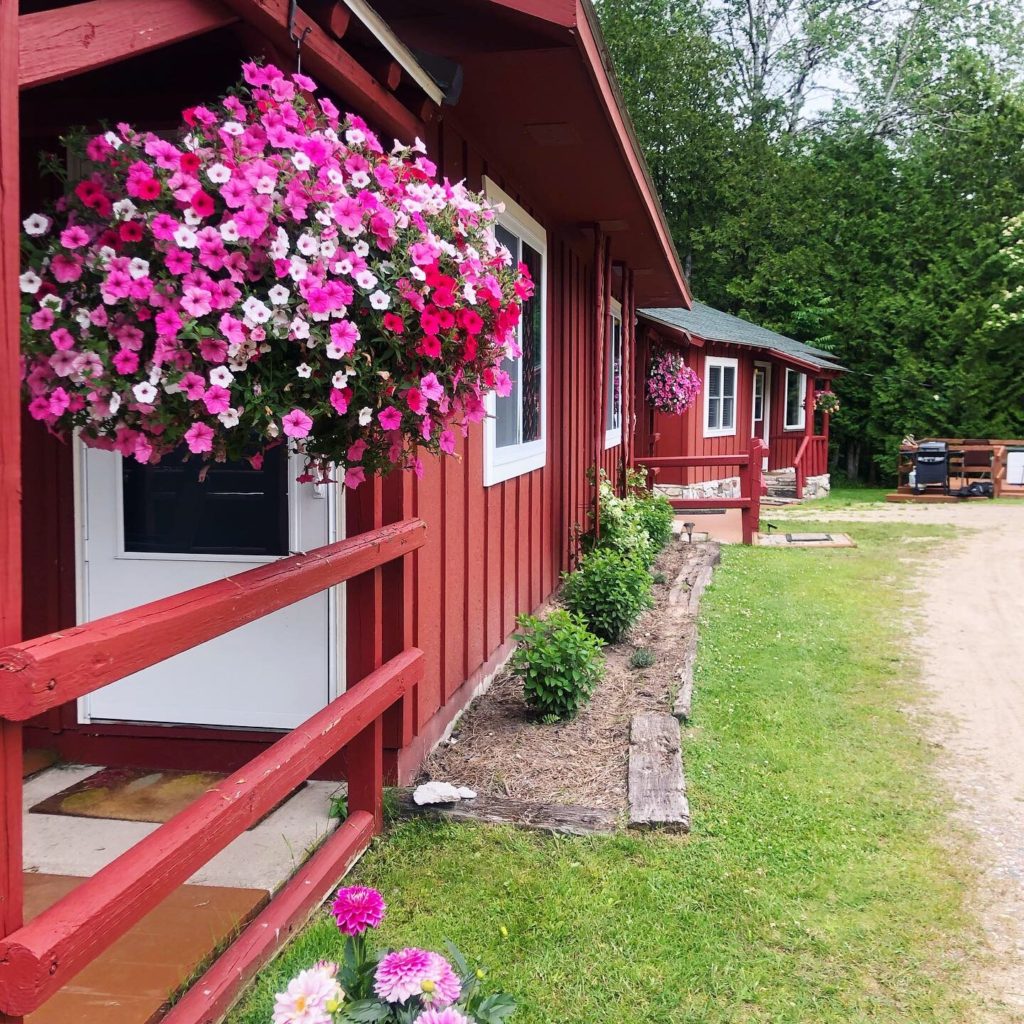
(931, 465)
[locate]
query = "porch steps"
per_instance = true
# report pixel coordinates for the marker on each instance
(781, 483)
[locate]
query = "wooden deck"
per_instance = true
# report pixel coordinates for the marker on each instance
(133, 979)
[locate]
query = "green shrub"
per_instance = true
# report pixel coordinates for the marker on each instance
(559, 661)
(609, 589)
(656, 516)
(639, 524)
(642, 657)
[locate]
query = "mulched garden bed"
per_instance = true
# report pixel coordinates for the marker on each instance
(499, 747)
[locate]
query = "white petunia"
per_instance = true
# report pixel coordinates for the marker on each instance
(301, 161)
(144, 393)
(272, 429)
(279, 295)
(192, 219)
(328, 248)
(114, 403)
(229, 231)
(304, 370)
(361, 249)
(365, 416)
(185, 237)
(307, 244)
(255, 310)
(229, 417)
(360, 179)
(37, 224)
(299, 327)
(280, 245)
(340, 380)
(380, 300)
(221, 376)
(238, 365)
(298, 268)
(218, 173)
(232, 128)
(138, 267)
(418, 273)
(114, 139)
(30, 282)
(323, 217)
(82, 317)
(355, 136)
(366, 279)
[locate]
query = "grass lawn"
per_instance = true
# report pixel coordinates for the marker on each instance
(815, 888)
(847, 497)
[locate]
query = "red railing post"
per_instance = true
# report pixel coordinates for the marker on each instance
(364, 767)
(11, 908)
(746, 474)
(752, 522)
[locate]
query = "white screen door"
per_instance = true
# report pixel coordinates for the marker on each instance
(147, 532)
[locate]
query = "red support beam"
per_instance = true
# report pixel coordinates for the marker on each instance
(41, 957)
(48, 671)
(10, 465)
(684, 461)
(332, 66)
(67, 41)
(210, 998)
(682, 504)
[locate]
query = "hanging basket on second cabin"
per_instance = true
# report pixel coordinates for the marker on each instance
(671, 385)
(826, 402)
(270, 274)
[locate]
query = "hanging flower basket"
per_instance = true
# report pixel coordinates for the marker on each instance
(826, 402)
(671, 385)
(271, 274)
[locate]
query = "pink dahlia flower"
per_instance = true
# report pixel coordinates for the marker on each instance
(448, 1016)
(400, 975)
(357, 908)
(306, 999)
(446, 985)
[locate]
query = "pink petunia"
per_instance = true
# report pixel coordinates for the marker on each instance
(199, 438)
(431, 387)
(390, 418)
(297, 424)
(447, 442)
(74, 237)
(217, 399)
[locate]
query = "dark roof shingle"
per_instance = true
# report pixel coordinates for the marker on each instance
(714, 325)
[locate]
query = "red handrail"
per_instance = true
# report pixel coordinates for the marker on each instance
(53, 669)
(41, 956)
(750, 473)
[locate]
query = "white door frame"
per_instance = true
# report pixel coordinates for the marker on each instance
(336, 596)
(766, 405)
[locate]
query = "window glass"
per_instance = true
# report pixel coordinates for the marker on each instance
(714, 376)
(506, 410)
(796, 386)
(613, 384)
(532, 363)
(230, 509)
(728, 396)
(759, 393)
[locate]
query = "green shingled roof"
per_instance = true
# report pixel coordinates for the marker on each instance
(714, 325)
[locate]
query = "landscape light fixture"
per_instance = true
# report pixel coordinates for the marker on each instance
(688, 527)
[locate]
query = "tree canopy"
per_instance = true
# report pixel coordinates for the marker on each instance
(845, 172)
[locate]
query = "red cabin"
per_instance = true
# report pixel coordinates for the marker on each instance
(756, 385)
(248, 624)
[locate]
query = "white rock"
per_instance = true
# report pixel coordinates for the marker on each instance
(436, 792)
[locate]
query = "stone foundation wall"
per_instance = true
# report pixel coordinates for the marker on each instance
(727, 488)
(817, 486)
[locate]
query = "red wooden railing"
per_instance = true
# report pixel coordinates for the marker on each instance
(40, 957)
(811, 460)
(750, 474)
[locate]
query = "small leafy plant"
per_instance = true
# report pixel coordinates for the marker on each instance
(609, 590)
(559, 661)
(642, 657)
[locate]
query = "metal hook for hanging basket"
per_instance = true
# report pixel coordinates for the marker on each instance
(297, 39)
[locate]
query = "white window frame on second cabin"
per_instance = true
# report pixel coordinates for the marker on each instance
(509, 461)
(801, 422)
(722, 363)
(613, 434)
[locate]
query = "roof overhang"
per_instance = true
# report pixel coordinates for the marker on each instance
(539, 97)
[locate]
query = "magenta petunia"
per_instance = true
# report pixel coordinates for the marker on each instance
(297, 424)
(357, 907)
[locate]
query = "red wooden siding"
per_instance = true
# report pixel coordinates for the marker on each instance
(491, 553)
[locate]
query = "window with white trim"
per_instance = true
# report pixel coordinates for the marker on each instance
(720, 384)
(515, 431)
(796, 395)
(613, 378)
